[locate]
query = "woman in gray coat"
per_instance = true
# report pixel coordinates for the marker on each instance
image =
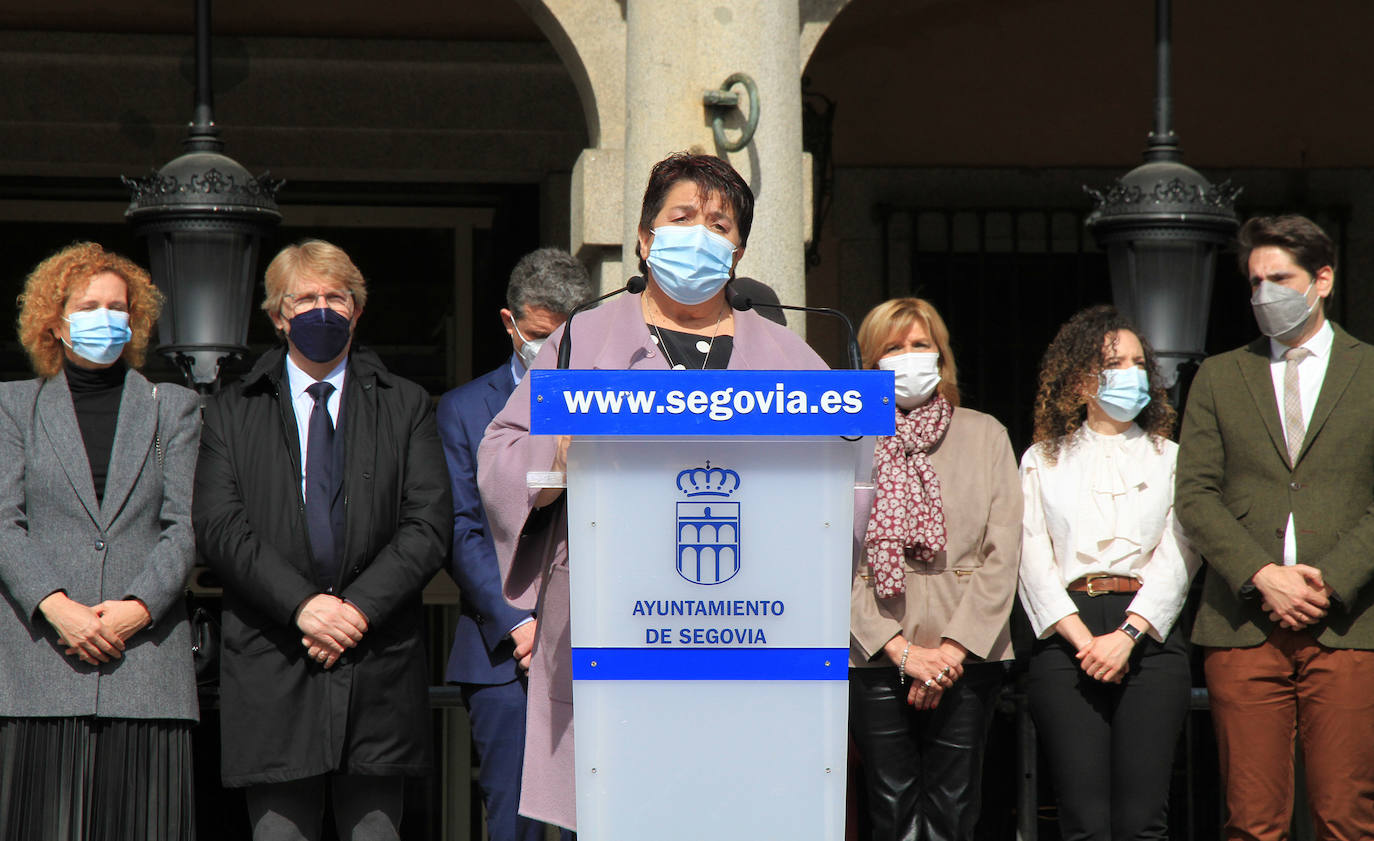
(97, 692)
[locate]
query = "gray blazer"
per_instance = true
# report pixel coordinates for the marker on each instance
(137, 543)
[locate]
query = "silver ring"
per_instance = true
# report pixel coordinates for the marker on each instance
(929, 684)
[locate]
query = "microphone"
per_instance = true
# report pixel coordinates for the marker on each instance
(743, 302)
(634, 286)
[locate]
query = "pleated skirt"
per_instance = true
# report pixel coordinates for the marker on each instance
(96, 779)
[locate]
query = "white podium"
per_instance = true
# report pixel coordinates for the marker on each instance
(710, 608)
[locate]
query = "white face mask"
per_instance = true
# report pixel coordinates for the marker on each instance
(917, 376)
(530, 349)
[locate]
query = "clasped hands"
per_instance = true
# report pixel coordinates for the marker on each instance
(1294, 596)
(330, 626)
(931, 670)
(1104, 657)
(1107, 657)
(96, 634)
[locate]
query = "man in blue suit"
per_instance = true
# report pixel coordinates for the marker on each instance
(492, 644)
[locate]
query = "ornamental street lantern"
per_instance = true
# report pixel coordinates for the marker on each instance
(203, 216)
(1162, 225)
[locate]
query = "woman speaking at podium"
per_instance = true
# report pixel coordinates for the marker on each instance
(933, 587)
(693, 227)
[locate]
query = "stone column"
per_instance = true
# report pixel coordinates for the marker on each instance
(674, 53)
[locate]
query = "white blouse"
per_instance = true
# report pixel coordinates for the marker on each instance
(1105, 506)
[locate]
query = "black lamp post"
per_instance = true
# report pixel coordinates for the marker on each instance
(204, 216)
(1161, 225)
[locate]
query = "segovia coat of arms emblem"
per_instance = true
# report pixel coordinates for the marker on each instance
(708, 525)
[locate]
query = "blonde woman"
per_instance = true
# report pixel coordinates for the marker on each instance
(933, 587)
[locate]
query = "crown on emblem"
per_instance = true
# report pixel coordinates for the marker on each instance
(707, 481)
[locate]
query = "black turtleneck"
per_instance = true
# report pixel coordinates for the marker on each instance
(95, 397)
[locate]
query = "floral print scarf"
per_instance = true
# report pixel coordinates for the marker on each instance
(907, 511)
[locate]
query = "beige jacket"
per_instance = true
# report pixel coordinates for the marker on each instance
(966, 592)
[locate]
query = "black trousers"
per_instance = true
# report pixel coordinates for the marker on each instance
(1110, 747)
(923, 769)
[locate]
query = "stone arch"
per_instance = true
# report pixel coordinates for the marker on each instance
(816, 17)
(589, 36)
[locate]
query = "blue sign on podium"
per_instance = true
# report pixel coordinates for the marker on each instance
(726, 403)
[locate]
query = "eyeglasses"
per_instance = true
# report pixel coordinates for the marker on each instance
(340, 302)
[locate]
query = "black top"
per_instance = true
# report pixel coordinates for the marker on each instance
(95, 397)
(693, 352)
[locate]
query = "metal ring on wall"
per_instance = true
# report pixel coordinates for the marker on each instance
(724, 99)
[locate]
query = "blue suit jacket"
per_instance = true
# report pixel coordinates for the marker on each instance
(481, 648)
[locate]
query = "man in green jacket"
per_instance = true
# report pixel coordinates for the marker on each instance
(1276, 490)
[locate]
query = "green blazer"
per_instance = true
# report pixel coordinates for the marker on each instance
(1235, 490)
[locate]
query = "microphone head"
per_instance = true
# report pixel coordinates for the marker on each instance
(737, 299)
(635, 285)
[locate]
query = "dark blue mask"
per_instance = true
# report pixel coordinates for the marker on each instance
(321, 334)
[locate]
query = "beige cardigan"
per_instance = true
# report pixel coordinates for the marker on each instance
(965, 593)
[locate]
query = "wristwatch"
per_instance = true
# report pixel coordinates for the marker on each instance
(1130, 630)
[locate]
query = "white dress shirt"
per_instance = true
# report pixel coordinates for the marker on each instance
(1311, 375)
(1105, 506)
(302, 404)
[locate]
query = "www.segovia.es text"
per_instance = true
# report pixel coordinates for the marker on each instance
(720, 405)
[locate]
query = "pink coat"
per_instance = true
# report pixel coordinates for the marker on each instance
(534, 566)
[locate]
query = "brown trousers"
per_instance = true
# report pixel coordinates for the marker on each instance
(1262, 697)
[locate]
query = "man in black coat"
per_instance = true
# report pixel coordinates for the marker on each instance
(322, 502)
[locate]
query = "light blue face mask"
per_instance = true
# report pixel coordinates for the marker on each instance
(99, 336)
(1124, 393)
(690, 264)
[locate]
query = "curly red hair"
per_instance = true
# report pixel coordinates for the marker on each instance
(52, 283)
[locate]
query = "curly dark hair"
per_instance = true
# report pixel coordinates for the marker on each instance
(1077, 352)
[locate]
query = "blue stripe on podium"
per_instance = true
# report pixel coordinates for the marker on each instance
(710, 663)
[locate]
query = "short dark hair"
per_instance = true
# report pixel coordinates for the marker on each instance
(712, 176)
(1300, 237)
(550, 278)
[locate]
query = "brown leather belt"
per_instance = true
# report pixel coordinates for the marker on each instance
(1100, 584)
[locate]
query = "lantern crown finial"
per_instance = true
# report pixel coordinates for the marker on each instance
(205, 181)
(1165, 193)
